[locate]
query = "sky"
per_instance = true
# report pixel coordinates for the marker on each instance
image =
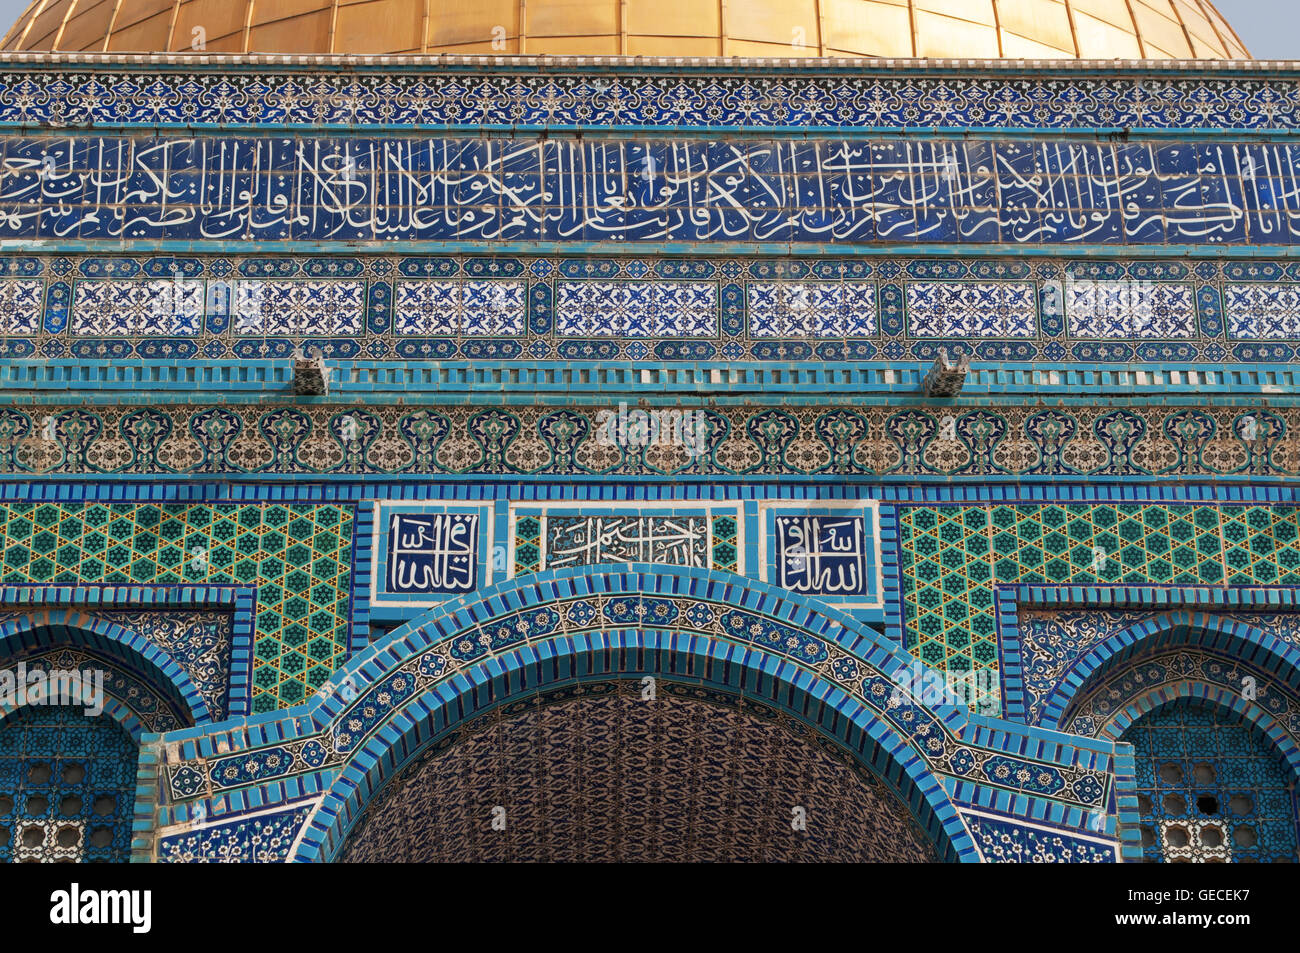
(1266, 26)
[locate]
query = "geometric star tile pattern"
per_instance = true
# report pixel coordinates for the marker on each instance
(948, 600)
(1107, 543)
(951, 557)
(1263, 545)
(298, 556)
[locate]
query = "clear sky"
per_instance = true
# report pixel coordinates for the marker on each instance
(1268, 27)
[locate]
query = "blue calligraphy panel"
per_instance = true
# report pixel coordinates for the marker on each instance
(829, 551)
(248, 188)
(590, 540)
(429, 553)
(822, 555)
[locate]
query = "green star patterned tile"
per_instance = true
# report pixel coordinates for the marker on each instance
(133, 543)
(951, 558)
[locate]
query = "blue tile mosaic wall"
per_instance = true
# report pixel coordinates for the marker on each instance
(67, 787)
(764, 191)
(138, 696)
(1050, 643)
(1001, 842)
(264, 839)
(799, 217)
(1209, 791)
(298, 558)
(273, 759)
(527, 309)
(465, 94)
(522, 622)
(200, 642)
(821, 441)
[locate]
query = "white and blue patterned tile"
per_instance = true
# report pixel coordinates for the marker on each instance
(1130, 309)
(266, 838)
(1002, 309)
(137, 308)
(510, 97)
(636, 309)
(759, 309)
(329, 307)
(1004, 840)
(1262, 311)
(473, 308)
(812, 309)
(21, 303)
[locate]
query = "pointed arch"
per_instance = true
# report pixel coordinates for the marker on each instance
(130, 655)
(687, 626)
(1219, 634)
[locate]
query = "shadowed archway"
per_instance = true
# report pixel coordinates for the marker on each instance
(720, 649)
(609, 771)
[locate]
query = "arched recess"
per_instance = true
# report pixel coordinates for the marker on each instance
(1215, 764)
(69, 775)
(1192, 663)
(1280, 741)
(600, 771)
(1216, 634)
(170, 699)
(67, 786)
(646, 628)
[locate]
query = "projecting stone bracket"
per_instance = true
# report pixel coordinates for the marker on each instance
(946, 379)
(310, 375)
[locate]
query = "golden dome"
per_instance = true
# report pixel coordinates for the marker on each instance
(1086, 29)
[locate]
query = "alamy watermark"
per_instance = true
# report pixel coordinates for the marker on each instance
(637, 428)
(182, 300)
(1099, 305)
(922, 685)
(37, 687)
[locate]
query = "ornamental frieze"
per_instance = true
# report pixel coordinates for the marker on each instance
(985, 442)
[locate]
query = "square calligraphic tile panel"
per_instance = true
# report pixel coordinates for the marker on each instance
(826, 549)
(428, 553)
